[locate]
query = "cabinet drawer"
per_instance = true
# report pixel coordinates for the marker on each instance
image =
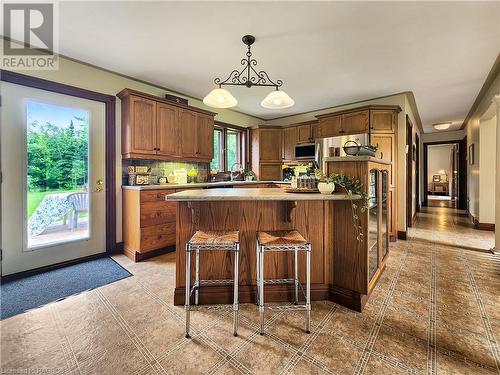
(155, 213)
(157, 236)
(155, 195)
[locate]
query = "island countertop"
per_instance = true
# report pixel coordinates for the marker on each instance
(258, 194)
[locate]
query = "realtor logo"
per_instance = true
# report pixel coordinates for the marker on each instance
(30, 42)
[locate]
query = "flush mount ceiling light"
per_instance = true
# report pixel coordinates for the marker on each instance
(248, 76)
(442, 125)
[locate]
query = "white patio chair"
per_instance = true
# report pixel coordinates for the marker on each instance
(80, 202)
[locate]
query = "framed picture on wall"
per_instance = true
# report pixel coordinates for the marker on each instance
(470, 155)
(436, 178)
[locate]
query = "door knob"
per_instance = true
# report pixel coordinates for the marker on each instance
(99, 186)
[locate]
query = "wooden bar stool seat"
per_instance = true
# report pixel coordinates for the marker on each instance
(204, 240)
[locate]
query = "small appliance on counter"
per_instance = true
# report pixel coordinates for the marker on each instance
(288, 173)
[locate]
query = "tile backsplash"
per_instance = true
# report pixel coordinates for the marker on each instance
(161, 168)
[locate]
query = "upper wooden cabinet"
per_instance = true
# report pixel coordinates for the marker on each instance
(290, 140)
(270, 145)
(383, 120)
(355, 122)
(155, 128)
(167, 130)
(266, 156)
(205, 136)
(305, 132)
(374, 118)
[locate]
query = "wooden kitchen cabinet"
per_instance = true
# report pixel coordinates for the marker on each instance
(355, 122)
(290, 140)
(148, 222)
(383, 120)
(305, 133)
(270, 145)
(154, 128)
(205, 136)
(270, 172)
(189, 134)
(266, 152)
(167, 130)
(329, 126)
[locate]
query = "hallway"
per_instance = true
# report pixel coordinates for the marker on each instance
(448, 226)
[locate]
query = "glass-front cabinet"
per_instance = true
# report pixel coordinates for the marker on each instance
(378, 219)
(373, 225)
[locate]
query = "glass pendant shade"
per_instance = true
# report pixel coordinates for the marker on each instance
(277, 100)
(220, 98)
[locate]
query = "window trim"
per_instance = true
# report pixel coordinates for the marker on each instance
(241, 147)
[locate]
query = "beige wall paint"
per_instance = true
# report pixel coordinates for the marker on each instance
(457, 135)
(487, 149)
(472, 131)
(92, 78)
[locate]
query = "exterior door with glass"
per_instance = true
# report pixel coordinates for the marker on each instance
(53, 169)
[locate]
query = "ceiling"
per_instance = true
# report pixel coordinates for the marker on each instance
(326, 53)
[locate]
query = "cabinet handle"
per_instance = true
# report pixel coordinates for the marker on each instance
(158, 213)
(159, 195)
(159, 237)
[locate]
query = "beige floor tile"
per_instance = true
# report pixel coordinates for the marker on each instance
(305, 368)
(377, 366)
(453, 366)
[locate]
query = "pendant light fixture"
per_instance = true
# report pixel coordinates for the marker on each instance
(248, 76)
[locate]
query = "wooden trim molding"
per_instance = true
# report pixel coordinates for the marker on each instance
(110, 133)
(402, 235)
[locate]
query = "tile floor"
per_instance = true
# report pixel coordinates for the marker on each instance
(436, 310)
(448, 226)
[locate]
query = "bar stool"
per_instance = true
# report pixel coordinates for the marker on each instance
(284, 241)
(210, 241)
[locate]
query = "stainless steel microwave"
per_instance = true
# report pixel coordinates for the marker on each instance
(305, 151)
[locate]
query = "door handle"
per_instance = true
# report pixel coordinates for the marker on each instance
(99, 186)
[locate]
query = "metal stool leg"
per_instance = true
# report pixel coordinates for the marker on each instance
(257, 266)
(236, 281)
(296, 276)
(197, 277)
(308, 289)
(188, 287)
(261, 289)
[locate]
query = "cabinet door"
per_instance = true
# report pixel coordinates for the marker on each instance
(385, 213)
(289, 142)
(270, 145)
(143, 123)
(205, 147)
(167, 130)
(385, 150)
(330, 126)
(382, 120)
(355, 122)
(270, 172)
(373, 222)
(304, 133)
(189, 134)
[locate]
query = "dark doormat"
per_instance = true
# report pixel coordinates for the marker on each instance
(18, 296)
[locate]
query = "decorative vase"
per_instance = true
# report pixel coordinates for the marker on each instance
(326, 188)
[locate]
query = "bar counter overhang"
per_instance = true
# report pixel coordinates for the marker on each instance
(337, 258)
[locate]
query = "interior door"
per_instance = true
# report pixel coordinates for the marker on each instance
(53, 188)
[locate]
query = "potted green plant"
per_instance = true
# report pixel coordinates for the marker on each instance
(326, 185)
(249, 176)
(352, 186)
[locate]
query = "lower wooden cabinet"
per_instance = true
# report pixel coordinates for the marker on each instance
(270, 172)
(148, 222)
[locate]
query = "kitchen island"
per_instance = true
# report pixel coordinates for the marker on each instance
(337, 258)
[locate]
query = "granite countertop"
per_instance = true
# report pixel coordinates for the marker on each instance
(358, 158)
(200, 185)
(251, 194)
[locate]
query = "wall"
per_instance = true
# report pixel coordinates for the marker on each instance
(487, 140)
(456, 135)
(439, 160)
(472, 130)
(92, 78)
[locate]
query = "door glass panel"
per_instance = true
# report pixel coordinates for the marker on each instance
(57, 174)
(233, 148)
(384, 231)
(373, 222)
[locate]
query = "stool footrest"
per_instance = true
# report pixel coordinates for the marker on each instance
(214, 282)
(209, 307)
(279, 281)
(288, 307)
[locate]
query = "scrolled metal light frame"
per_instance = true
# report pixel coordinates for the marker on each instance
(244, 77)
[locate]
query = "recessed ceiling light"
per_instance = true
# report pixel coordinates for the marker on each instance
(442, 125)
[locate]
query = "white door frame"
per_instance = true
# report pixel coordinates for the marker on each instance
(110, 140)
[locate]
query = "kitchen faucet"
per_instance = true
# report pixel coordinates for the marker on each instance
(231, 170)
